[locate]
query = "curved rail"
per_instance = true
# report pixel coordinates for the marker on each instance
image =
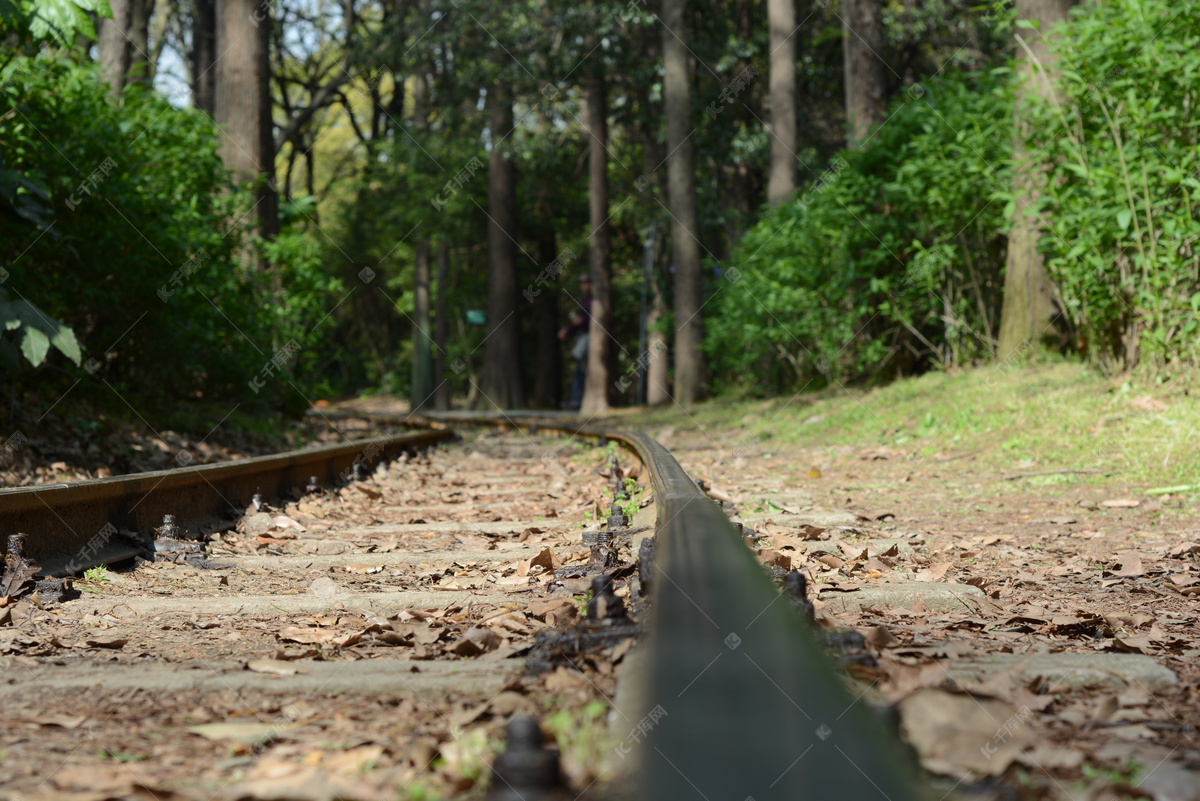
(72, 526)
(739, 700)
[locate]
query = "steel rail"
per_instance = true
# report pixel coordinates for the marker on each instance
(66, 523)
(739, 700)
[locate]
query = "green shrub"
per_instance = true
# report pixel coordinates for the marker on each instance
(887, 264)
(119, 219)
(1120, 151)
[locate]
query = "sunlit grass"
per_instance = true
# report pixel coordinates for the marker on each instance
(1045, 416)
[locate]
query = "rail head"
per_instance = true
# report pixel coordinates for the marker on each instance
(72, 526)
(740, 702)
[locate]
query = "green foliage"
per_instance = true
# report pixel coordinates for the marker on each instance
(889, 262)
(120, 221)
(35, 333)
(1120, 152)
(96, 574)
(60, 21)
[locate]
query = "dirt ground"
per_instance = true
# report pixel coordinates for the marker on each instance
(1036, 628)
(367, 642)
(1091, 573)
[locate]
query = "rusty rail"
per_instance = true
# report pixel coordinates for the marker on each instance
(71, 524)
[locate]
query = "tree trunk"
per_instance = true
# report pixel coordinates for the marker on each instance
(204, 53)
(547, 385)
(156, 40)
(865, 79)
(596, 388)
(422, 372)
(502, 356)
(243, 102)
(122, 42)
(681, 187)
(657, 378)
(781, 19)
(441, 393)
(1027, 309)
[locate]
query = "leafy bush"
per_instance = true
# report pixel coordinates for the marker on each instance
(889, 262)
(1120, 151)
(120, 220)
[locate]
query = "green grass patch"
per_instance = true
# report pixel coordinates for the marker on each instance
(1043, 416)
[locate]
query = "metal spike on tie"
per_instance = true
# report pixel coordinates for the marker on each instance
(169, 529)
(257, 501)
(313, 486)
(526, 769)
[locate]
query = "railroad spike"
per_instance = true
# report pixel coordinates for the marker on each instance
(169, 529)
(526, 770)
(605, 607)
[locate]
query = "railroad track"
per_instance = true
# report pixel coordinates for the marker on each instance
(369, 638)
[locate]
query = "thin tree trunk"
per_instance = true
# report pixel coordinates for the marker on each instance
(441, 393)
(422, 372)
(1027, 309)
(204, 53)
(243, 102)
(657, 378)
(597, 386)
(547, 386)
(502, 355)
(781, 20)
(865, 77)
(122, 42)
(681, 186)
(156, 38)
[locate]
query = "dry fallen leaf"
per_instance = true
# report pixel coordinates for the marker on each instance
(274, 667)
(1131, 565)
(310, 636)
(107, 642)
(954, 733)
(283, 521)
(545, 559)
(245, 733)
(1120, 503)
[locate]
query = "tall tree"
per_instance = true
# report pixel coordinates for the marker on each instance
(502, 354)
(1027, 311)
(547, 378)
(865, 77)
(441, 392)
(681, 187)
(781, 20)
(204, 54)
(123, 42)
(596, 388)
(243, 101)
(656, 370)
(422, 371)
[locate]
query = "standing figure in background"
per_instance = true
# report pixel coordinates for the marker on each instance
(581, 320)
